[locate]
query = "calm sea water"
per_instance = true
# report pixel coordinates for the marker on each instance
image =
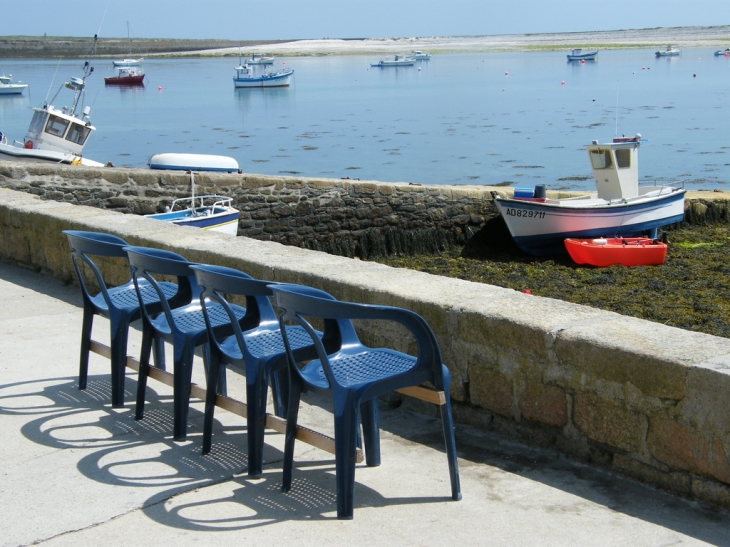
(514, 118)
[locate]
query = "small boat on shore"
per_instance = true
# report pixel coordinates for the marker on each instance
(578, 55)
(126, 76)
(57, 135)
(398, 60)
(245, 78)
(671, 51)
(207, 212)
(624, 251)
(8, 87)
(258, 59)
(193, 162)
(619, 208)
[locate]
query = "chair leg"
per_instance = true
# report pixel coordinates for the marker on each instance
(450, 439)
(369, 414)
(345, 454)
(159, 353)
(120, 333)
(280, 390)
(148, 339)
(256, 391)
(182, 374)
(295, 394)
(86, 325)
(214, 367)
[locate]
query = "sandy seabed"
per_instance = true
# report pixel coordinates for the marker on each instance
(716, 37)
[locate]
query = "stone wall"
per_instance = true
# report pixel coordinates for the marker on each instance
(343, 217)
(635, 397)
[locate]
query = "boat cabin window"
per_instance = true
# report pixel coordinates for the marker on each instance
(623, 158)
(601, 159)
(36, 124)
(78, 133)
(56, 126)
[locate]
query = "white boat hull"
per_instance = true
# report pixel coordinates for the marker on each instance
(539, 228)
(266, 80)
(193, 162)
(12, 89)
(47, 155)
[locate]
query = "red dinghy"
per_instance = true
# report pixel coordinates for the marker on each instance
(626, 251)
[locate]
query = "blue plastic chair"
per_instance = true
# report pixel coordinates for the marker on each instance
(120, 305)
(255, 346)
(357, 375)
(182, 325)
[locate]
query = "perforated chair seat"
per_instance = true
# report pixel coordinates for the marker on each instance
(351, 371)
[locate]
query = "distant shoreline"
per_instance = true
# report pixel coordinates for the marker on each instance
(715, 37)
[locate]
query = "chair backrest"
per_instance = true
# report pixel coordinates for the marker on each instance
(299, 303)
(86, 244)
(217, 281)
(147, 262)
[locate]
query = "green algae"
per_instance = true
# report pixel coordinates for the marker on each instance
(691, 290)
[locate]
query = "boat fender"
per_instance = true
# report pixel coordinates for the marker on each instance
(28, 145)
(600, 241)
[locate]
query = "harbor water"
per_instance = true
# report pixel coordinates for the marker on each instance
(514, 119)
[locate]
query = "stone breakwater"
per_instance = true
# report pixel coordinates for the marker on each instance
(347, 217)
(342, 217)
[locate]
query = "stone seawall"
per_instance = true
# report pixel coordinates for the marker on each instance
(635, 397)
(342, 217)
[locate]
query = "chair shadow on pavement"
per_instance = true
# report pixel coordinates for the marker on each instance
(115, 449)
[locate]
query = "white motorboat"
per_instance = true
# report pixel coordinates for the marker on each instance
(208, 212)
(671, 51)
(57, 135)
(420, 55)
(619, 207)
(8, 87)
(193, 162)
(245, 78)
(258, 59)
(398, 60)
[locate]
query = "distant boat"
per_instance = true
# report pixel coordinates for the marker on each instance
(126, 76)
(578, 55)
(8, 87)
(725, 52)
(420, 55)
(624, 251)
(398, 60)
(245, 78)
(209, 212)
(127, 62)
(258, 59)
(671, 51)
(619, 208)
(57, 135)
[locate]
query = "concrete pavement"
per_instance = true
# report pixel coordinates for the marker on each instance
(77, 472)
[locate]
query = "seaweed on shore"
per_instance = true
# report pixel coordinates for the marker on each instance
(691, 290)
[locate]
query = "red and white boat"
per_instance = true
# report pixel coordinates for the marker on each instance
(126, 76)
(624, 251)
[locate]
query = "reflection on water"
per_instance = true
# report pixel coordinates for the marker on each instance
(507, 118)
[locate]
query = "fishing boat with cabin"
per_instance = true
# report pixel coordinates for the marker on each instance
(619, 207)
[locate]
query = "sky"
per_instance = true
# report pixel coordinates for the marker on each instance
(307, 19)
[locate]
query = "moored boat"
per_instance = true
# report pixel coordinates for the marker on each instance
(8, 87)
(258, 59)
(671, 51)
(398, 60)
(420, 55)
(624, 251)
(245, 78)
(126, 76)
(57, 135)
(193, 162)
(619, 208)
(578, 55)
(721, 52)
(208, 212)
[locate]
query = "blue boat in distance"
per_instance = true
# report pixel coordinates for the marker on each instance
(578, 55)
(245, 78)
